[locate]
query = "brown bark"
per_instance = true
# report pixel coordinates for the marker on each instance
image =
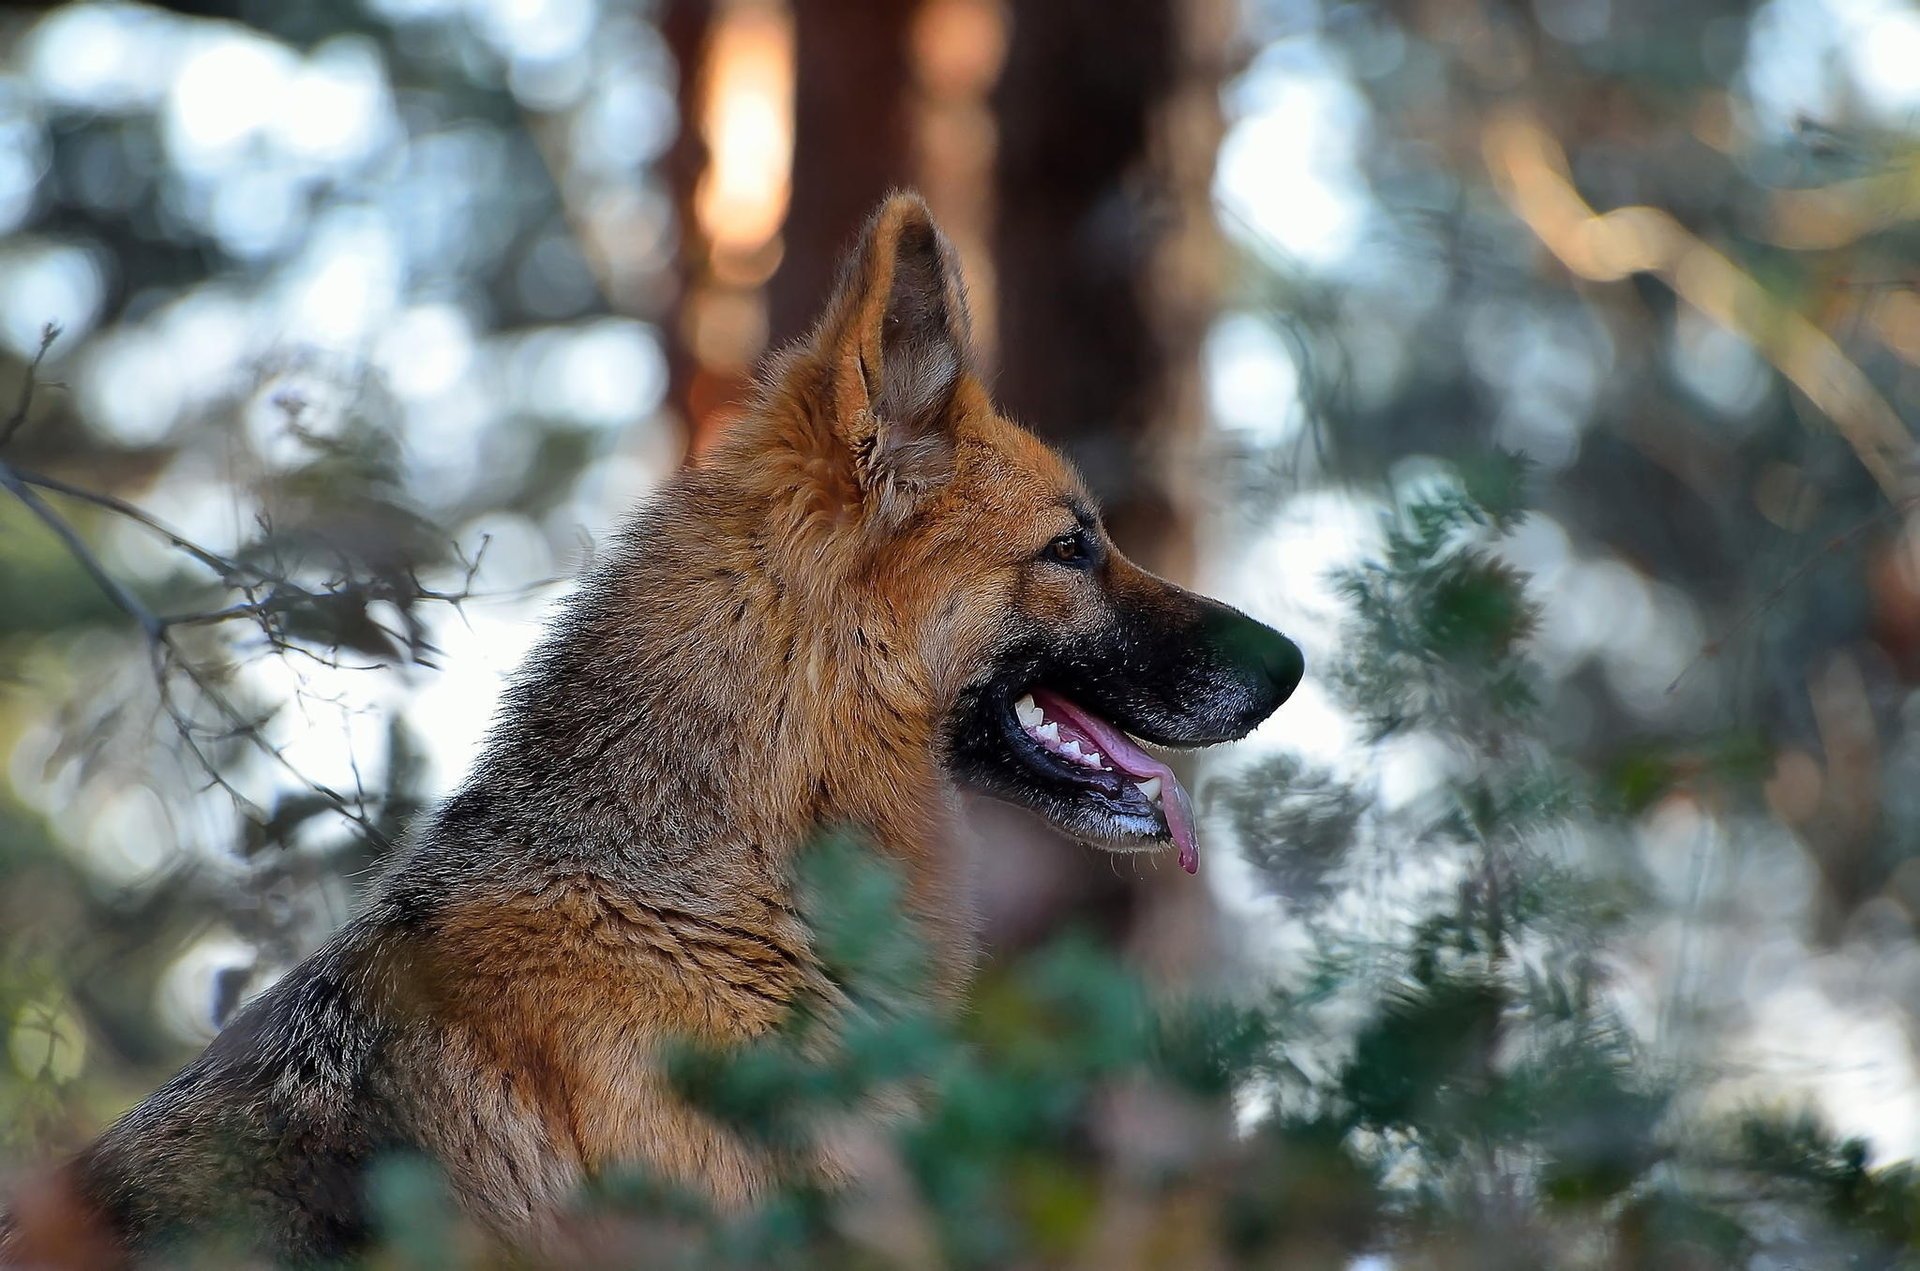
(686, 26)
(1079, 216)
(852, 142)
(1104, 261)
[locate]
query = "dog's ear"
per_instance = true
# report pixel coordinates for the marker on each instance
(895, 337)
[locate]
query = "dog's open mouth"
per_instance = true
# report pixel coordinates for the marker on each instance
(1091, 761)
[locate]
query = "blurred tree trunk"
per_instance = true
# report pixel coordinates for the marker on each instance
(852, 142)
(1081, 359)
(1105, 254)
(852, 121)
(686, 27)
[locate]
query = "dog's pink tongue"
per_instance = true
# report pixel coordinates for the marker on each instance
(1136, 763)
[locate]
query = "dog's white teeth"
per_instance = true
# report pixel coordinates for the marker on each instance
(1049, 733)
(1151, 788)
(1027, 713)
(1071, 750)
(1093, 760)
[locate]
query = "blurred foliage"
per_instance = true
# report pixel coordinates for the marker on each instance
(328, 336)
(1437, 599)
(1617, 239)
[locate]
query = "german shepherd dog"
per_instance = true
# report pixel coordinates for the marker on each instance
(873, 592)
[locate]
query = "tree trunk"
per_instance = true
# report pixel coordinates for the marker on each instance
(1104, 256)
(852, 142)
(686, 27)
(1080, 359)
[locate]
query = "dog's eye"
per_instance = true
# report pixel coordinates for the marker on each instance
(1070, 549)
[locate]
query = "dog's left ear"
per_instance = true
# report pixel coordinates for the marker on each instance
(895, 336)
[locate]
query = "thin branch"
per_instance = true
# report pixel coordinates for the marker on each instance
(1531, 173)
(275, 602)
(229, 570)
(18, 419)
(289, 597)
(250, 731)
(269, 595)
(122, 599)
(1788, 581)
(168, 660)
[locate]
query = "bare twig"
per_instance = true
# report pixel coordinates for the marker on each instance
(15, 421)
(1788, 581)
(281, 596)
(122, 599)
(275, 601)
(269, 594)
(230, 571)
(167, 660)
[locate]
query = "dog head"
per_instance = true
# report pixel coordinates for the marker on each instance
(1047, 657)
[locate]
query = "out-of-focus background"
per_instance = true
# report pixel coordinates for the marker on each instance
(369, 318)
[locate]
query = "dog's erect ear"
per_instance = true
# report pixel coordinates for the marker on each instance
(895, 336)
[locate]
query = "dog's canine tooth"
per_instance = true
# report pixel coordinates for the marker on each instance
(1151, 788)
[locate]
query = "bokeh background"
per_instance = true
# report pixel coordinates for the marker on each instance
(372, 316)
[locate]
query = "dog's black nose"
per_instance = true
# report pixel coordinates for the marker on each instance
(1267, 658)
(1267, 663)
(1282, 661)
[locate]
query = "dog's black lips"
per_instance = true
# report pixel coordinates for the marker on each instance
(990, 752)
(1107, 785)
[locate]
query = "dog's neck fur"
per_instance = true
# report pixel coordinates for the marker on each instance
(605, 756)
